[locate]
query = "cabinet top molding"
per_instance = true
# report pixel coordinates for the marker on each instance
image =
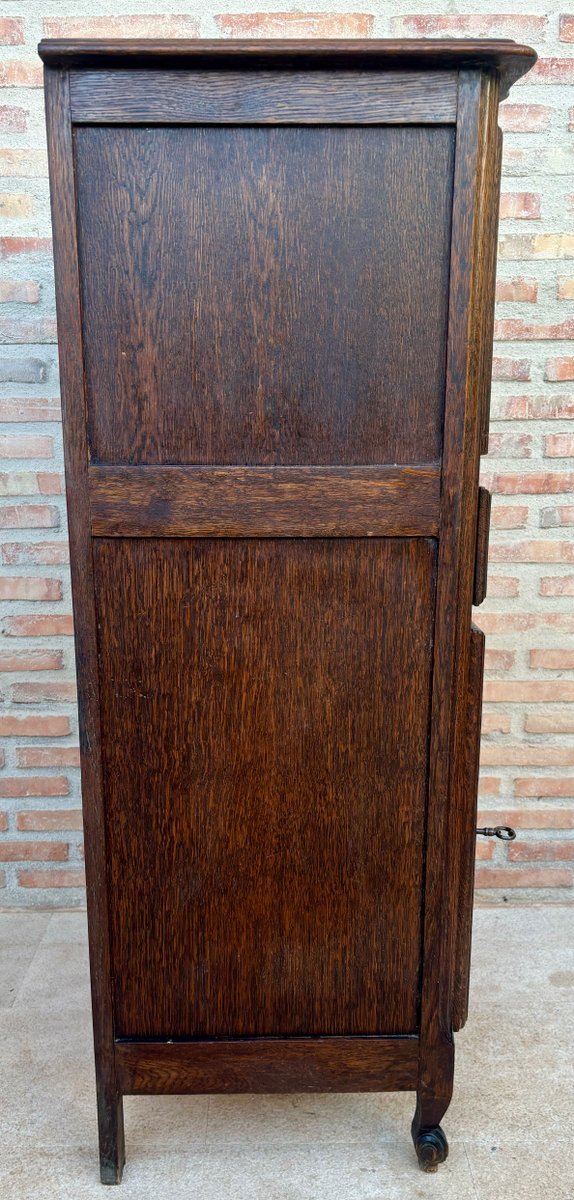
(508, 58)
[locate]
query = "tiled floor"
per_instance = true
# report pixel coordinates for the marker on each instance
(509, 1125)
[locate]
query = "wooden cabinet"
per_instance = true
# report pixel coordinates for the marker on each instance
(275, 280)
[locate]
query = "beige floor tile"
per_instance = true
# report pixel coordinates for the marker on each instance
(20, 936)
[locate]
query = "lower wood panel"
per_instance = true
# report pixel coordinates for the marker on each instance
(265, 714)
(269, 1065)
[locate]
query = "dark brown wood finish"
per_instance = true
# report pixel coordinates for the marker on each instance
(275, 348)
(269, 1065)
(279, 696)
(481, 552)
(62, 189)
(261, 318)
(268, 97)
(264, 501)
(468, 827)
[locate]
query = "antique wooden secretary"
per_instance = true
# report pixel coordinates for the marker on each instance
(275, 278)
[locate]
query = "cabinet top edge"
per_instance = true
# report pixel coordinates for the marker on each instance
(509, 58)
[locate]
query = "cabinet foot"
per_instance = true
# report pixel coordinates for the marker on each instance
(431, 1147)
(111, 1132)
(428, 1137)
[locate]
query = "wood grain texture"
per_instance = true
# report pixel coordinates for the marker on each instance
(263, 97)
(264, 501)
(264, 296)
(265, 801)
(269, 1065)
(454, 594)
(507, 59)
(110, 1112)
(468, 826)
(481, 552)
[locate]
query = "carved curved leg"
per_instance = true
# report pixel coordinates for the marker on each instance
(433, 1098)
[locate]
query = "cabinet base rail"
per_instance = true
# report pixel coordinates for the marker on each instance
(328, 1064)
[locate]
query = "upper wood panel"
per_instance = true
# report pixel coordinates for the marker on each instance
(264, 295)
(265, 710)
(508, 59)
(263, 97)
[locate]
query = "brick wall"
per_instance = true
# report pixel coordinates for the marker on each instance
(528, 749)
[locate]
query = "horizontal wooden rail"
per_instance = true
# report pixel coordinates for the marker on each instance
(264, 501)
(335, 1064)
(351, 97)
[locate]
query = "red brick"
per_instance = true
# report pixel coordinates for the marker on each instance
(50, 483)
(511, 368)
(565, 287)
(496, 622)
(557, 585)
(528, 691)
(29, 516)
(524, 118)
(52, 879)
(11, 31)
(502, 586)
(510, 445)
(45, 692)
(28, 785)
(559, 369)
(532, 484)
(23, 164)
(30, 408)
(15, 331)
(26, 446)
(557, 517)
(534, 551)
(498, 660)
(514, 329)
(538, 246)
(480, 25)
(48, 756)
(549, 722)
(51, 554)
(3, 822)
(500, 754)
(31, 660)
(551, 70)
(19, 291)
(561, 659)
(519, 206)
(26, 587)
(13, 120)
(559, 445)
(495, 722)
(566, 27)
(509, 516)
(294, 25)
(57, 820)
(517, 290)
(537, 788)
(11, 246)
(545, 851)
(517, 161)
(498, 877)
(22, 851)
(534, 408)
(47, 625)
(488, 785)
(129, 26)
(484, 851)
(38, 725)
(521, 818)
(20, 72)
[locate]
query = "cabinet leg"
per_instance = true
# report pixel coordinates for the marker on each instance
(111, 1133)
(432, 1102)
